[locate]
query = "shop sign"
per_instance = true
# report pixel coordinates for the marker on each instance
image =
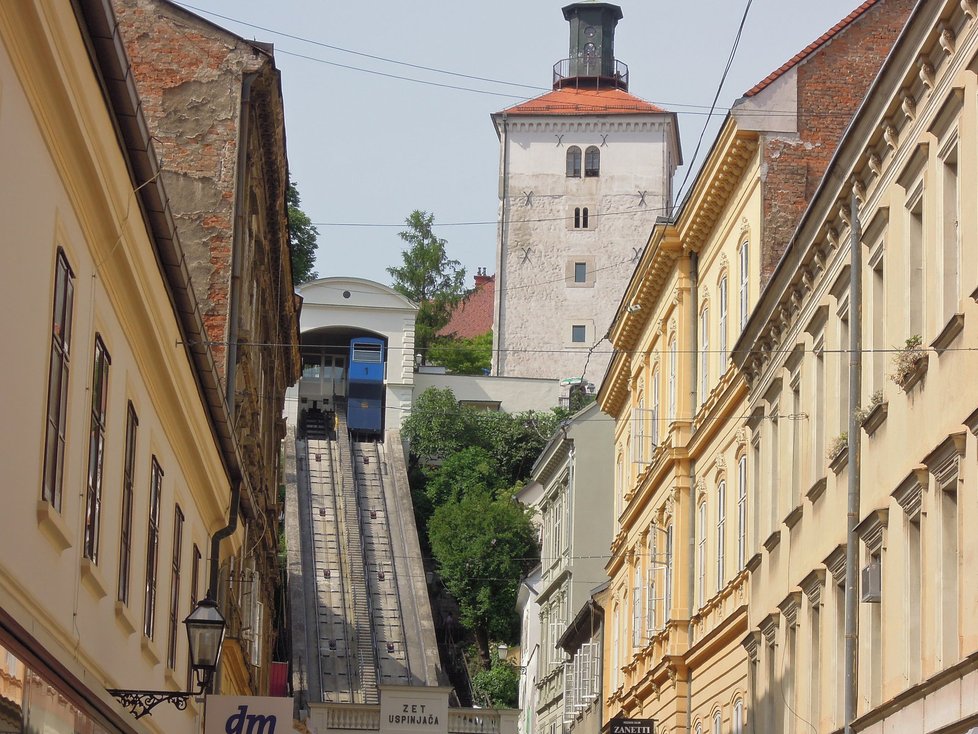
(632, 726)
(247, 715)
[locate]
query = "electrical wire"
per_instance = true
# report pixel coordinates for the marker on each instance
(716, 97)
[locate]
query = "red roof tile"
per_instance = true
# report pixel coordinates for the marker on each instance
(473, 315)
(569, 101)
(810, 48)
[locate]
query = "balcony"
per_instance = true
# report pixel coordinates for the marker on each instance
(587, 73)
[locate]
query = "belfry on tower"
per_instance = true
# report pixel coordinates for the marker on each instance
(584, 171)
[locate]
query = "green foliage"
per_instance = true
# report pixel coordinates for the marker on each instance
(463, 356)
(499, 686)
(303, 237)
(483, 547)
(438, 426)
(428, 278)
(465, 472)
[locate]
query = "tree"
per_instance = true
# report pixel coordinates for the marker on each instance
(428, 278)
(499, 686)
(515, 440)
(483, 547)
(303, 237)
(438, 426)
(465, 472)
(462, 356)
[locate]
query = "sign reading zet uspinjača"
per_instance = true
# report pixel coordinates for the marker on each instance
(413, 711)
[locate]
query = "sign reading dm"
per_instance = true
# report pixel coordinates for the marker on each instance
(248, 715)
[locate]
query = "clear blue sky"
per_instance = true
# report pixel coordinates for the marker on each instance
(370, 149)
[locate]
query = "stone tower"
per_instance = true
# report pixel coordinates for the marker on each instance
(584, 171)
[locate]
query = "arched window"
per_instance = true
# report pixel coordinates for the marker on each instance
(592, 162)
(701, 555)
(651, 571)
(722, 326)
(699, 729)
(717, 722)
(738, 717)
(667, 601)
(721, 531)
(573, 162)
(584, 218)
(637, 603)
(577, 217)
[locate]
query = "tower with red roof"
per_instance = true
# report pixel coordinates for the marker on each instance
(585, 170)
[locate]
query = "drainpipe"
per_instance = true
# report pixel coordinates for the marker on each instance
(852, 516)
(239, 234)
(694, 263)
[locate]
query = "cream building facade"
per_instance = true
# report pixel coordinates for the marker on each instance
(909, 160)
(684, 533)
(118, 462)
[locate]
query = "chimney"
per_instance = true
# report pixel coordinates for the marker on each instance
(481, 278)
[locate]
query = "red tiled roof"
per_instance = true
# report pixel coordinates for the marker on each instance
(569, 101)
(473, 315)
(810, 48)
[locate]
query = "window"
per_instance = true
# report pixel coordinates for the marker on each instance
(573, 162)
(194, 597)
(949, 596)
(738, 717)
(701, 556)
(580, 272)
(721, 532)
(915, 267)
(744, 292)
(673, 364)
(152, 548)
(704, 354)
(878, 320)
(775, 480)
(843, 362)
(651, 572)
(638, 430)
(667, 613)
(125, 533)
(722, 327)
(592, 162)
(717, 722)
(796, 427)
(96, 449)
(815, 661)
(951, 285)
(818, 406)
(584, 222)
(54, 441)
(637, 603)
(742, 512)
(367, 353)
(578, 333)
(654, 413)
(581, 217)
(171, 650)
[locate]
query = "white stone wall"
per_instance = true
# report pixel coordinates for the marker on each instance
(537, 300)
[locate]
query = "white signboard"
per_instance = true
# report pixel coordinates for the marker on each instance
(413, 710)
(247, 715)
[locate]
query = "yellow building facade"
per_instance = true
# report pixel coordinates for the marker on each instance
(117, 454)
(909, 161)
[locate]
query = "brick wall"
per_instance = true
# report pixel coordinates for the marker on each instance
(832, 82)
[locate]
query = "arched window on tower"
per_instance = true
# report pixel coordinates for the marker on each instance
(573, 162)
(592, 162)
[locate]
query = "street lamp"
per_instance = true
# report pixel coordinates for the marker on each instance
(205, 633)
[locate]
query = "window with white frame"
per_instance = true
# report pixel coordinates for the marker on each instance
(654, 411)
(721, 532)
(637, 620)
(57, 397)
(738, 717)
(722, 326)
(744, 280)
(651, 572)
(638, 434)
(742, 512)
(667, 610)
(673, 367)
(615, 641)
(717, 722)
(701, 554)
(951, 251)
(704, 354)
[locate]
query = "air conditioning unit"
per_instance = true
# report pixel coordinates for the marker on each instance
(872, 583)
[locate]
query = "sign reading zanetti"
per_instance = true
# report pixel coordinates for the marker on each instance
(248, 715)
(632, 726)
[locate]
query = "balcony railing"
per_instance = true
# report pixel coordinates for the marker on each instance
(588, 72)
(366, 717)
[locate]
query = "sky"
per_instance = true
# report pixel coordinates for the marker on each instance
(368, 149)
